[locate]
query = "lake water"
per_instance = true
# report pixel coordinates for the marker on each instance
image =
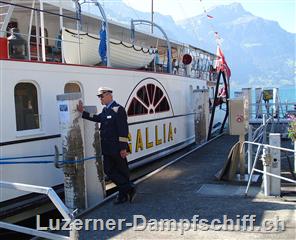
(285, 93)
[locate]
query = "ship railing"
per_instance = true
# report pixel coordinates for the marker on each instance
(65, 212)
(51, 55)
(46, 53)
(278, 110)
(257, 136)
(42, 48)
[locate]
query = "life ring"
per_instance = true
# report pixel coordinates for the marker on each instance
(187, 59)
(239, 118)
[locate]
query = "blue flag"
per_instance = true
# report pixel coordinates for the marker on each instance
(103, 44)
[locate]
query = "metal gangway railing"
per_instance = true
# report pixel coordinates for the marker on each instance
(65, 212)
(265, 160)
(258, 138)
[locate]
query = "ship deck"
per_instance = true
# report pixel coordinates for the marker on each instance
(187, 188)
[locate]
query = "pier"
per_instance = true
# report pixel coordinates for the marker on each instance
(188, 188)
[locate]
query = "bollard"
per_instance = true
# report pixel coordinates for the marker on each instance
(71, 127)
(94, 171)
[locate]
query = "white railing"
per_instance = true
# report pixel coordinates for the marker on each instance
(268, 108)
(67, 215)
(254, 169)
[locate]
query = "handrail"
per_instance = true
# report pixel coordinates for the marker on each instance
(65, 212)
(270, 146)
(42, 190)
(140, 21)
(39, 10)
(254, 169)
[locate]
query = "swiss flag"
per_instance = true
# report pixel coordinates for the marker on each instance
(221, 64)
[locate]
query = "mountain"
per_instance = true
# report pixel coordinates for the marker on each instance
(258, 51)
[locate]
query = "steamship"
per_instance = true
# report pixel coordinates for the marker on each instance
(167, 89)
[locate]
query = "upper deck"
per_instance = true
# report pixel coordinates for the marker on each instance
(49, 44)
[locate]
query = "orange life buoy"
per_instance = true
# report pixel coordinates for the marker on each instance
(187, 59)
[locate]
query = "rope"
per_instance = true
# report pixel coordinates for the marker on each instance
(36, 156)
(44, 162)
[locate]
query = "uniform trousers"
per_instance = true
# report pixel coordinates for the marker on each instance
(116, 168)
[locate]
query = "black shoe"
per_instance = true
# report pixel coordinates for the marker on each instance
(120, 199)
(132, 194)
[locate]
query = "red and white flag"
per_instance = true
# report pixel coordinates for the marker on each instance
(221, 64)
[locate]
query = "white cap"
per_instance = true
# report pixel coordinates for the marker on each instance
(102, 90)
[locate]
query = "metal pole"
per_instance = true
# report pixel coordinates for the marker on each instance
(250, 148)
(30, 30)
(276, 176)
(214, 107)
(266, 168)
(253, 168)
(226, 85)
(276, 102)
(42, 31)
(33, 232)
(152, 13)
(264, 128)
(37, 36)
(165, 36)
(107, 31)
(61, 27)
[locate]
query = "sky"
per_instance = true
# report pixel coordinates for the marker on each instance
(282, 11)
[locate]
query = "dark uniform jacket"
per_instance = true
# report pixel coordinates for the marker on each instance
(113, 130)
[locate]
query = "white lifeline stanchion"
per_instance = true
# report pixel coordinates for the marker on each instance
(55, 200)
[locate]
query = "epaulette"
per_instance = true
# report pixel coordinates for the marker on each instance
(115, 109)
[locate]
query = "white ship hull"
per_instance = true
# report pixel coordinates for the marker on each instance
(50, 80)
(152, 135)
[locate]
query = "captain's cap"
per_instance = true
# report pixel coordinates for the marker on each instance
(102, 90)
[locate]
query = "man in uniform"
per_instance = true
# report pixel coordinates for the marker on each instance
(114, 141)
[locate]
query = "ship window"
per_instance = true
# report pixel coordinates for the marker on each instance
(163, 106)
(136, 108)
(142, 94)
(72, 88)
(149, 97)
(26, 106)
